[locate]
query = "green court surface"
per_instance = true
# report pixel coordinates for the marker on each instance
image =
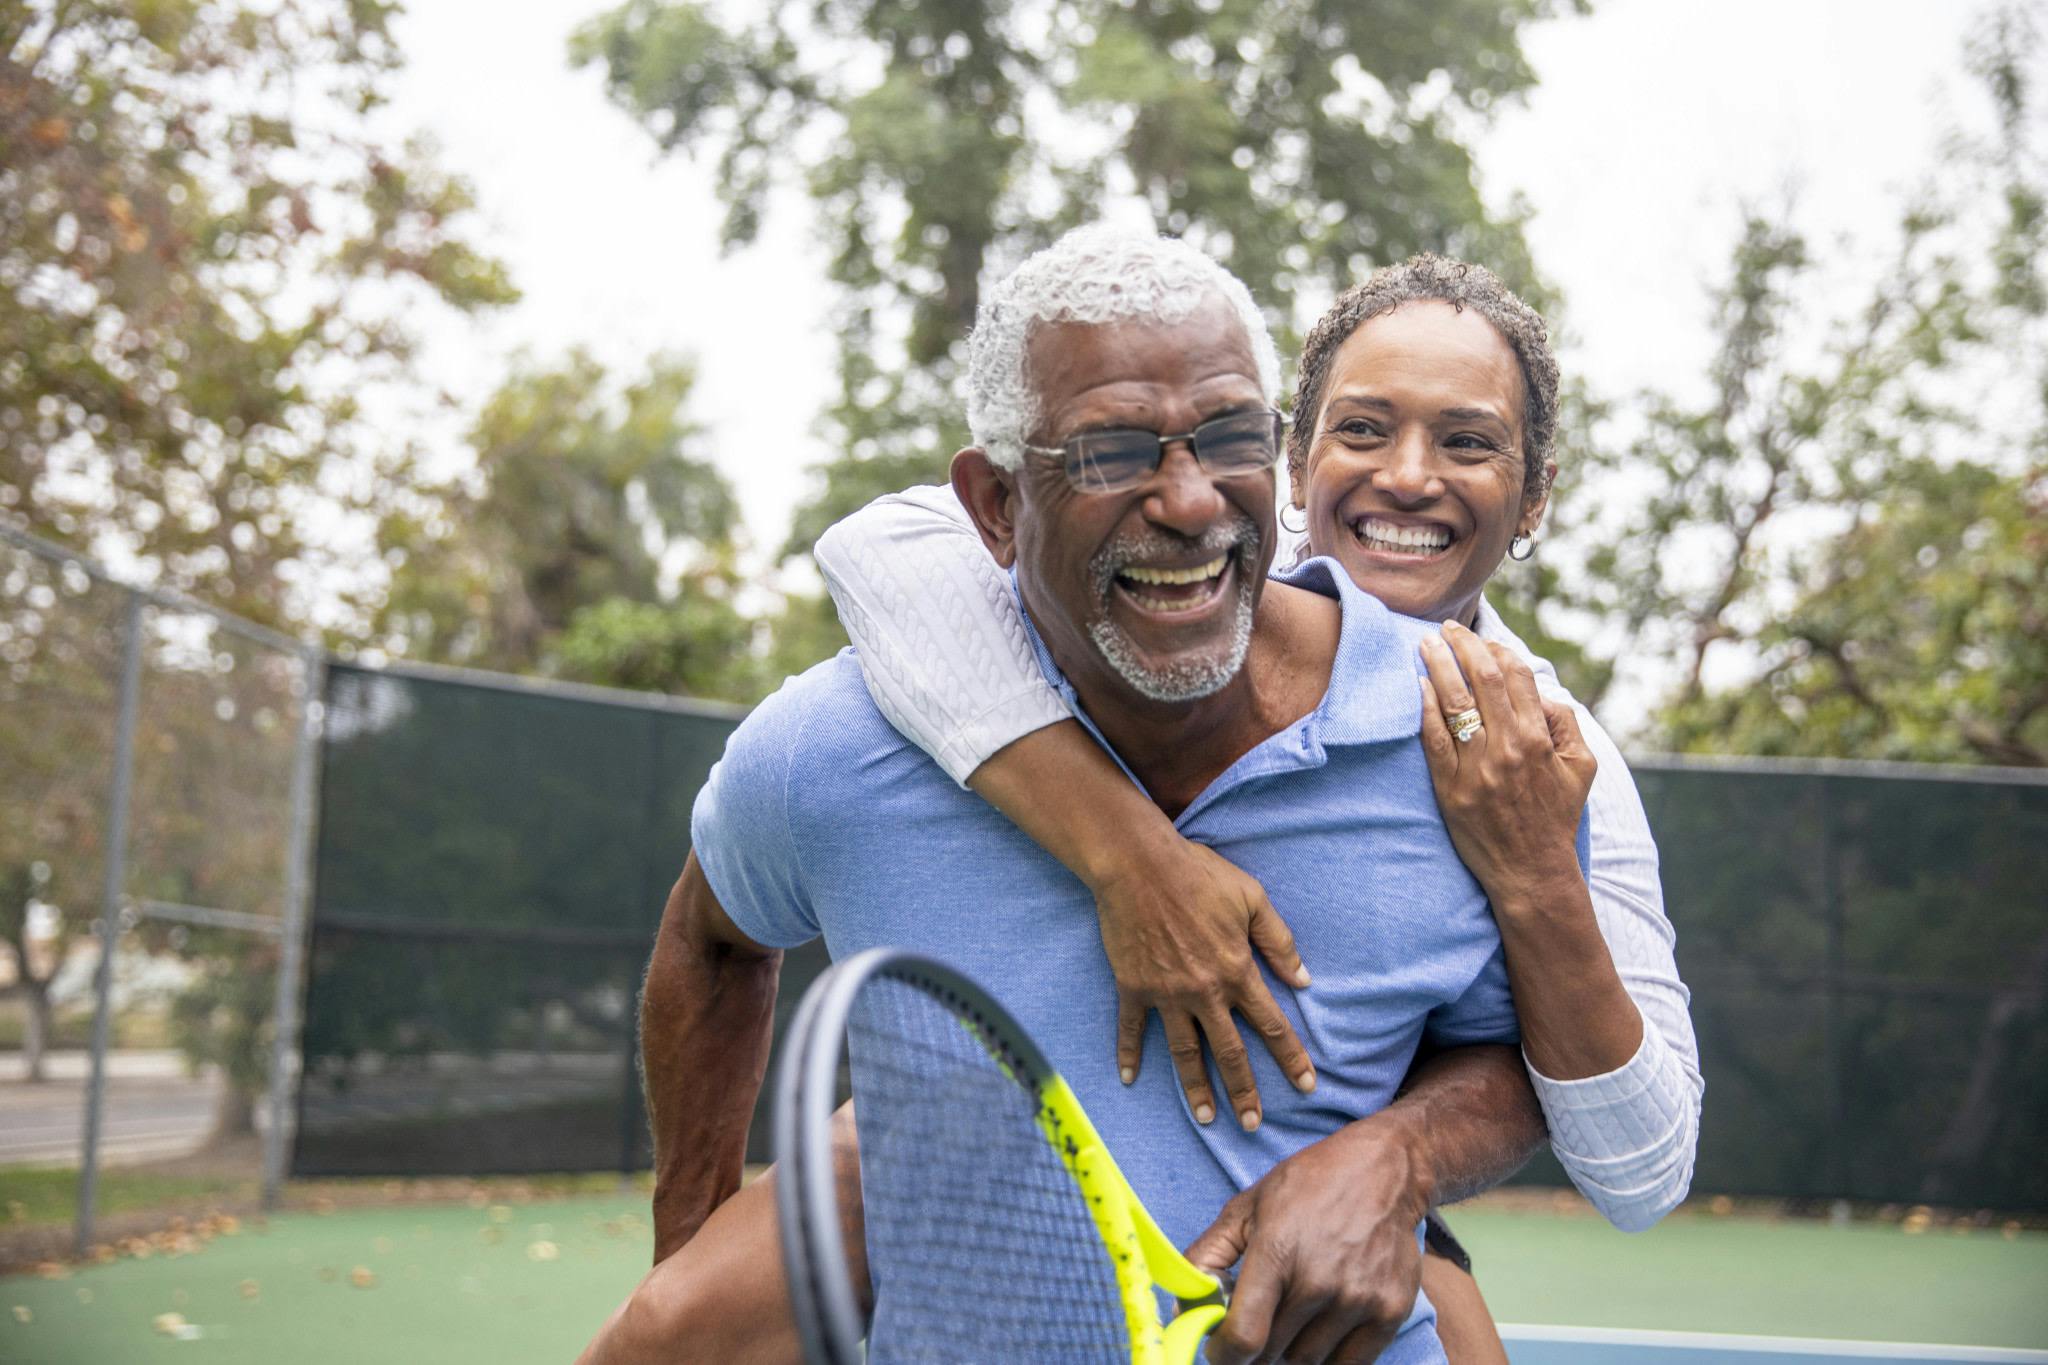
(531, 1282)
(1695, 1272)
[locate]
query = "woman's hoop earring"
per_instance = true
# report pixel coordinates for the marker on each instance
(1296, 530)
(1526, 544)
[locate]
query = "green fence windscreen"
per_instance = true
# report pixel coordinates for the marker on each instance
(1868, 954)
(491, 865)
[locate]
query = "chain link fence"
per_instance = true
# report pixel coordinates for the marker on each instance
(153, 832)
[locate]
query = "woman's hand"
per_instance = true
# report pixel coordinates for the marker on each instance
(1180, 924)
(1511, 795)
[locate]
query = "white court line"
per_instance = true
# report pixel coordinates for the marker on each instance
(1809, 1346)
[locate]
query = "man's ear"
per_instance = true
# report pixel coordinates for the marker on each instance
(990, 496)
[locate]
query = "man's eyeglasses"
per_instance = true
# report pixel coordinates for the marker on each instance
(1111, 461)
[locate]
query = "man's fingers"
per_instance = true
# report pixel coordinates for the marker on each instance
(1297, 1324)
(1365, 1344)
(1263, 1013)
(1275, 942)
(1242, 1334)
(1130, 1036)
(1224, 1240)
(1233, 1063)
(1185, 1045)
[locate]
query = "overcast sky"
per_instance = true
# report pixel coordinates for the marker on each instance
(1655, 121)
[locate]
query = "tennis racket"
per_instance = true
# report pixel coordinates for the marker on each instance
(998, 1225)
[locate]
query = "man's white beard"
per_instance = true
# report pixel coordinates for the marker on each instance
(1184, 678)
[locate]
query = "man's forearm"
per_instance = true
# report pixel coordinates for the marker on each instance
(1473, 1117)
(705, 1018)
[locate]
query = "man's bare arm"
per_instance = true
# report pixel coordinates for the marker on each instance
(706, 1013)
(1475, 1115)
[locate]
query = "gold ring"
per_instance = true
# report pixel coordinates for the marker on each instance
(1464, 724)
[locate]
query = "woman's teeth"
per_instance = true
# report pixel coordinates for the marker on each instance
(1172, 589)
(1414, 540)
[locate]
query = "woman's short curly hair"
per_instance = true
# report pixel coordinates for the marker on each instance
(1463, 286)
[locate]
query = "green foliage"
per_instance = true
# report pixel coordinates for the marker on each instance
(597, 545)
(582, 490)
(1302, 143)
(224, 1019)
(699, 644)
(1841, 545)
(197, 232)
(1923, 636)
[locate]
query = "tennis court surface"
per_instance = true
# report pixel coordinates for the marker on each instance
(1532, 1345)
(511, 1282)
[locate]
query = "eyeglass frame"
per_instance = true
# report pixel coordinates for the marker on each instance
(1282, 422)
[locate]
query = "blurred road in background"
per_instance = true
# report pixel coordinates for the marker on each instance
(154, 1109)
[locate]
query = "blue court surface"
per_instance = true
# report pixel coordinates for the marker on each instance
(1528, 1345)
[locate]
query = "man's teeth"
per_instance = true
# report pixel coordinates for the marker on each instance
(1177, 577)
(1136, 580)
(1384, 535)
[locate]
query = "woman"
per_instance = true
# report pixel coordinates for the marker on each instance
(1420, 455)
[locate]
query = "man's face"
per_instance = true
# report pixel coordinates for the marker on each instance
(1153, 588)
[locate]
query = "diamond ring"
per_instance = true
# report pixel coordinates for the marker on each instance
(1464, 724)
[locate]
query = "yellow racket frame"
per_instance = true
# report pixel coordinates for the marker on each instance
(829, 1318)
(1143, 1255)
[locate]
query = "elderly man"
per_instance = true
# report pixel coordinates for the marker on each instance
(1277, 721)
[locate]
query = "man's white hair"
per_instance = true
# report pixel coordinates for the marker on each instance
(1094, 274)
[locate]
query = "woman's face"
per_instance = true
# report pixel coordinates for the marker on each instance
(1415, 467)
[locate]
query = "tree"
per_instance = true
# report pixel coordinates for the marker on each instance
(207, 263)
(197, 229)
(1302, 144)
(1841, 550)
(596, 544)
(582, 490)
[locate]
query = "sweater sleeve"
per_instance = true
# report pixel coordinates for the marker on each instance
(1628, 1138)
(936, 627)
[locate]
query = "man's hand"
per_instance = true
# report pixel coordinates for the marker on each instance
(1180, 925)
(1326, 1248)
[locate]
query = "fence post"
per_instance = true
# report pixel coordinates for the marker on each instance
(1835, 1003)
(115, 882)
(298, 856)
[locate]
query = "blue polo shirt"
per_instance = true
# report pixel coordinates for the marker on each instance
(821, 819)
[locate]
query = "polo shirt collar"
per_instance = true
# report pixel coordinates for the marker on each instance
(1374, 696)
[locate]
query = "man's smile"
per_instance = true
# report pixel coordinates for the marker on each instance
(1175, 590)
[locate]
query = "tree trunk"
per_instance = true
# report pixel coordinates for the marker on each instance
(235, 1114)
(1975, 1119)
(35, 1034)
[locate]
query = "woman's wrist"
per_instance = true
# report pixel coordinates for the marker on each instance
(1549, 891)
(1114, 850)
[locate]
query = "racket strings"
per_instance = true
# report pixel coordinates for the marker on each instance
(980, 1245)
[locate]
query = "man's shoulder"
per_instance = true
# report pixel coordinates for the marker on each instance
(820, 721)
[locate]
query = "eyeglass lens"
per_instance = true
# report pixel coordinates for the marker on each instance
(1109, 460)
